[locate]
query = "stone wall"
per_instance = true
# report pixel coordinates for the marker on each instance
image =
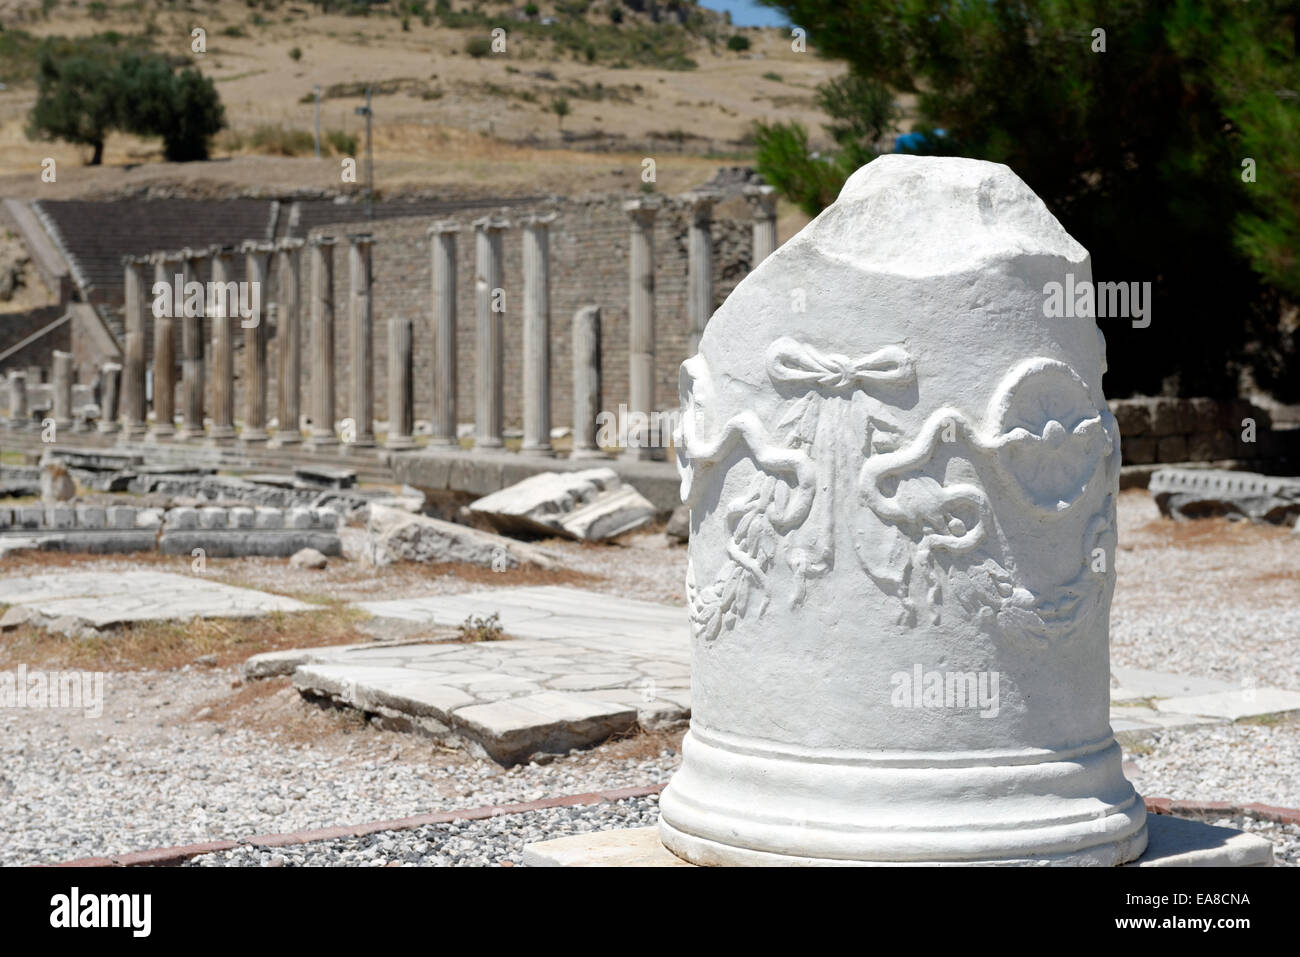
(588, 264)
(1157, 430)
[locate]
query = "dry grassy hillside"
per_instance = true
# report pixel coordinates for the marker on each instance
(443, 117)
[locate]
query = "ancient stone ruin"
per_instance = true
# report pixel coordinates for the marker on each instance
(901, 479)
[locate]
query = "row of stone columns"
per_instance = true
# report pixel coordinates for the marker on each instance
(490, 307)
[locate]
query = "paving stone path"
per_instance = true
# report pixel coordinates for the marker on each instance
(108, 598)
(579, 667)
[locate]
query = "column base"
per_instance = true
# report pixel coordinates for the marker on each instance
(738, 800)
(443, 442)
(189, 435)
(160, 435)
(539, 450)
(399, 443)
(321, 440)
(588, 454)
(288, 438)
(489, 445)
(254, 436)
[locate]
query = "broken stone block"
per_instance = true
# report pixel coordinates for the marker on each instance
(325, 476)
(394, 535)
(679, 525)
(589, 505)
(1201, 493)
(308, 558)
(56, 483)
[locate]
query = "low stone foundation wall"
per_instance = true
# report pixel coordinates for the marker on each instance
(1191, 430)
(220, 532)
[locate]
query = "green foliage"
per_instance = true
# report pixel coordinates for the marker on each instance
(76, 102)
(475, 629)
(295, 54)
(478, 47)
(1137, 150)
(787, 162)
(85, 94)
(344, 144)
(737, 42)
(560, 107)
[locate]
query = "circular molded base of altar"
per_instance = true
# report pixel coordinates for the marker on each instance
(755, 806)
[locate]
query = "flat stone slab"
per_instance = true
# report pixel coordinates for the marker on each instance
(1171, 842)
(103, 598)
(1138, 684)
(1183, 842)
(579, 667)
(1241, 703)
(550, 611)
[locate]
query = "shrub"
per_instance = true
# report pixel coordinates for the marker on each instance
(478, 47)
(737, 42)
(344, 144)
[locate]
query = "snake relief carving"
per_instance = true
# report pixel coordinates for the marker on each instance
(1041, 449)
(1043, 446)
(789, 503)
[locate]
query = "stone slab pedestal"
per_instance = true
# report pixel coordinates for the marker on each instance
(1171, 842)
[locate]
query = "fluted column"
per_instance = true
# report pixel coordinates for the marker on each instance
(222, 317)
(586, 382)
(442, 244)
(763, 200)
(489, 294)
(362, 409)
(401, 397)
(18, 415)
(322, 343)
(192, 374)
(110, 392)
(288, 332)
(164, 353)
(257, 271)
(699, 264)
(641, 326)
(61, 376)
(134, 321)
(537, 335)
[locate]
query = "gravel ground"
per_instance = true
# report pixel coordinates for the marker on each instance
(498, 840)
(146, 774)
(1210, 598)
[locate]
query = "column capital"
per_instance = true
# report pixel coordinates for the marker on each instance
(320, 240)
(289, 244)
(218, 250)
(491, 224)
(541, 219)
(443, 226)
(762, 198)
(361, 239)
(256, 246)
(702, 197)
(189, 253)
(643, 209)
